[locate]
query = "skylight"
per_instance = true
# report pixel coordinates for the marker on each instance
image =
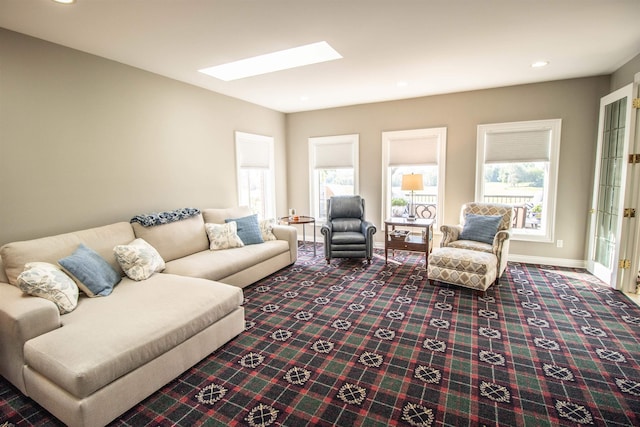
(276, 61)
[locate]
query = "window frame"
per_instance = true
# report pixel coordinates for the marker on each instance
(267, 165)
(425, 133)
(315, 143)
(554, 126)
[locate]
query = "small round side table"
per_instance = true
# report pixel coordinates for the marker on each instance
(302, 220)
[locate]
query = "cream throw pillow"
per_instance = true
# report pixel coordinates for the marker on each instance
(223, 236)
(266, 228)
(139, 260)
(48, 281)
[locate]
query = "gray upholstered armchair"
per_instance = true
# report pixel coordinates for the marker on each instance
(346, 233)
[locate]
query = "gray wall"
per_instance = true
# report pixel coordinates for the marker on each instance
(574, 101)
(625, 74)
(85, 141)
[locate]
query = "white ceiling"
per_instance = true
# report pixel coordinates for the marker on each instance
(436, 46)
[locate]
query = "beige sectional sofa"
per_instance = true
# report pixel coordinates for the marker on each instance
(92, 364)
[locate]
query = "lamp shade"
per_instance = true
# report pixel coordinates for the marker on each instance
(412, 182)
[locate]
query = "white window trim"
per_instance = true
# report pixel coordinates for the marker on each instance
(553, 125)
(354, 140)
(243, 137)
(387, 140)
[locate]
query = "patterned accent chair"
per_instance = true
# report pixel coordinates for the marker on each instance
(470, 263)
(346, 233)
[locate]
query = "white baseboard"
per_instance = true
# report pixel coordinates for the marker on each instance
(558, 262)
(528, 259)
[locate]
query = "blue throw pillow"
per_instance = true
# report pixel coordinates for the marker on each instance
(248, 229)
(480, 228)
(92, 273)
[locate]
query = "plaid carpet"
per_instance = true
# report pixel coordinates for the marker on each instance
(352, 344)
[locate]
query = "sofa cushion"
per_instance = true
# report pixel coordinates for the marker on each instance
(50, 249)
(93, 275)
(217, 216)
(176, 239)
(48, 281)
(217, 265)
(139, 260)
(223, 236)
(106, 338)
(248, 229)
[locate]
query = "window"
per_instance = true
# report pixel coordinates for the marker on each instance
(333, 165)
(419, 151)
(255, 168)
(517, 164)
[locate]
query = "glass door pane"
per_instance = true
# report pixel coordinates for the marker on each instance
(610, 178)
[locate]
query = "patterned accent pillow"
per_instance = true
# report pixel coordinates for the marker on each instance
(92, 273)
(139, 260)
(48, 281)
(248, 229)
(480, 228)
(149, 220)
(266, 229)
(223, 236)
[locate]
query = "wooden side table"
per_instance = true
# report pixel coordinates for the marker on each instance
(408, 241)
(302, 220)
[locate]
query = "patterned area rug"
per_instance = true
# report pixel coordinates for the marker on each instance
(352, 344)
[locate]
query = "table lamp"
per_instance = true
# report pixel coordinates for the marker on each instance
(412, 182)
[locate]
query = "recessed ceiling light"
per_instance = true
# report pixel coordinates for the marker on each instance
(539, 64)
(402, 83)
(276, 61)
(64, 1)
(304, 98)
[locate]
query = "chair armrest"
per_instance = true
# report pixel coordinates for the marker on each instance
(327, 233)
(22, 317)
(327, 230)
(450, 233)
(501, 249)
(368, 229)
(499, 238)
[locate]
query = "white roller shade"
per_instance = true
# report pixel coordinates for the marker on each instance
(335, 155)
(414, 151)
(518, 146)
(253, 151)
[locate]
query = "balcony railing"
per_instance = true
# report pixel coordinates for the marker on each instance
(508, 199)
(522, 204)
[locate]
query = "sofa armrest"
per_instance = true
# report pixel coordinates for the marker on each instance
(22, 317)
(289, 234)
(450, 233)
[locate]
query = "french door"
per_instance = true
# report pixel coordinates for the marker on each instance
(611, 233)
